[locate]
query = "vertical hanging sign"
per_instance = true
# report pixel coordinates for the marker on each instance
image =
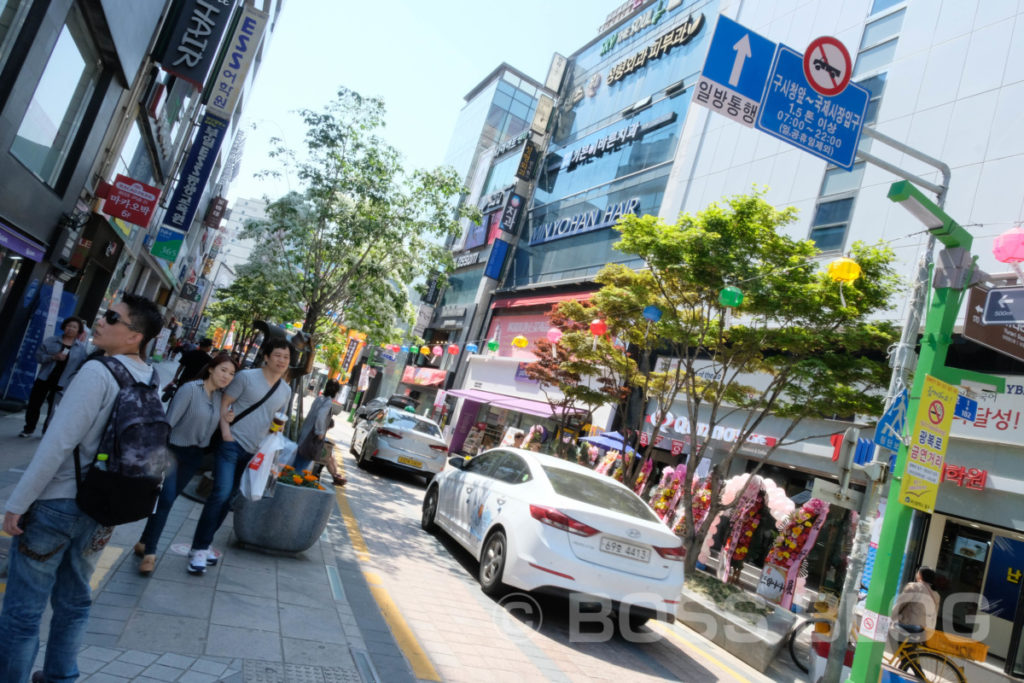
(927, 450)
(195, 173)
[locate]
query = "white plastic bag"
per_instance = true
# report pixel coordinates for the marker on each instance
(287, 455)
(261, 467)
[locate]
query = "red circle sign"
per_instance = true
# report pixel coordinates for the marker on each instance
(935, 412)
(827, 66)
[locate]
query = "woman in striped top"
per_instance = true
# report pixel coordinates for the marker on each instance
(194, 415)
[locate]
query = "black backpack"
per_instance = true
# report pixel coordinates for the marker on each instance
(127, 487)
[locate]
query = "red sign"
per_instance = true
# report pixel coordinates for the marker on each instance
(423, 376)
(131, 200)
(935, 412)
(972, 478)
(827, 66)
(677, 447)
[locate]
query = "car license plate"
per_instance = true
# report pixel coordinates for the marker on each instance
(409, 461)
(633, 552)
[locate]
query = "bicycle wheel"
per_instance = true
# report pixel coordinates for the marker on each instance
(800, 642)
(932, 667)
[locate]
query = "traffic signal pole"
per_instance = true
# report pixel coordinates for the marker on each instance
(954, 275)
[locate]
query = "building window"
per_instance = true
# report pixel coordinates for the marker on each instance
(876, 86)
(12, 17)
(839, 180)
(59, 103)
(882, 5)
(881, 30)
(831, 219)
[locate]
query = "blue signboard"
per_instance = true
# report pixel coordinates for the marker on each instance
(496, 259)
(1004, 306)
(195, 173)
(893, 423)
(735, 72)
(1003, 579)
(827, 127)
(966, 408)
(19, 377)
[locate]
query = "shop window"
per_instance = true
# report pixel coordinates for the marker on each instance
(831, 219)
(58, 107)
(960, 569)
(10, 266)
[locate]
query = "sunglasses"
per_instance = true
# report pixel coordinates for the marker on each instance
(113, 317)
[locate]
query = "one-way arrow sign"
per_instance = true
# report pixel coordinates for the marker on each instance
(1004, 306)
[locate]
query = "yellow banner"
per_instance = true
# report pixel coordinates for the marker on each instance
(927, 449)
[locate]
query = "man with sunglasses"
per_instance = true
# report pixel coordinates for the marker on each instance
(54, 545)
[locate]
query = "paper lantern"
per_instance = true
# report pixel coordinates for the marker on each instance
(437, 350)
(492, 345)
(598, 327)
(520, 342)
(844, 270)
(405, 349)
(453, 349)
(425, 350)
(472, 348)
(554, 335)
(730, 297)
(1009, 247)
(652, 313)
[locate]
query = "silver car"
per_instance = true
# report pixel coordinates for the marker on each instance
(400, 439)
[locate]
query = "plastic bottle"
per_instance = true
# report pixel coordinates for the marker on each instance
(101, 461)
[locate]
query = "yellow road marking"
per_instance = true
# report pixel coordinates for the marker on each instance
(670, 631)
(422, 668)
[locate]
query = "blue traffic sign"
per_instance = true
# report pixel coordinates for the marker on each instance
(739, 59)
(965, 408)
(827, 127)
(888, 433)
(1004, 306)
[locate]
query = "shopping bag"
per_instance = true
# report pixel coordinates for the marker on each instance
(287, 454)
(261, 467)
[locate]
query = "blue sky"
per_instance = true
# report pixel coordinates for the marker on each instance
(421, 57)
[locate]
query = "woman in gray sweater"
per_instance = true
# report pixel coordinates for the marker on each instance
(194, 415)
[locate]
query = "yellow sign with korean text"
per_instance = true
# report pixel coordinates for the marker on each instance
(927, 450)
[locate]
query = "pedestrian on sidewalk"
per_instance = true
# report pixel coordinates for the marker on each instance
(54, 545)
(314, 431)
(191, 365)
(255, 396)
(194, 416)
(59, 358)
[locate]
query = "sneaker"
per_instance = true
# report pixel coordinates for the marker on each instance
(140, 549)
(147, 565)
(340, 481)
(197, 562)
(25, 435)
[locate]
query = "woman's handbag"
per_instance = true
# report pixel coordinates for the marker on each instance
(310, 448)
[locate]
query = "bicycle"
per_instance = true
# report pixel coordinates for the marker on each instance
(926, 663)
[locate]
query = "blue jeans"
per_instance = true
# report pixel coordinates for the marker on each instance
(52, 560)
(227, 475)
(184, 464)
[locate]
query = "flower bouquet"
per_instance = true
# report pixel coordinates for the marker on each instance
(796, 530)
(701, 505)
(305, 478)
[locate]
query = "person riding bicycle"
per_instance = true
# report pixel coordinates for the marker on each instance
(916, 608)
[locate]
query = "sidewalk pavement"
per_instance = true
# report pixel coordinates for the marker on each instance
(253, 617)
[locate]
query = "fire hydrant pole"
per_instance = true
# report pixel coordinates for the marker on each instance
(941, 314)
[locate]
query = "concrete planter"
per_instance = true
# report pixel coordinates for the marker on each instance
(754, 640)
(290, 522)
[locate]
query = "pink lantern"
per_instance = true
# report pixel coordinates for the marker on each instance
(1009, 248)
(554, 335)
(437, 350)
(598, 327)
(453, 349)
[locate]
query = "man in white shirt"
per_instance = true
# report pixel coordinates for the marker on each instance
(54, 545)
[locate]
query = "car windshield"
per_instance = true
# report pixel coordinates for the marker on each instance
(594, 490)
(404, 420)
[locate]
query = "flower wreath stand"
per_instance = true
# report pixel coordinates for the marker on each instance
(290, 521)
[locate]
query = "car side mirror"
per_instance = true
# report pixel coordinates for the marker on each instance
(458, 462)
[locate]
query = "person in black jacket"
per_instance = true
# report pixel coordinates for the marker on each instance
(59, 358)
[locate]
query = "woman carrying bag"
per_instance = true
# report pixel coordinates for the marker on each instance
(314, 431)
(194, 415)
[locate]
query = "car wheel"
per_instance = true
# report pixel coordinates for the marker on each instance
(429, 510)
(361, 459)
(492, 563)
(637, 620)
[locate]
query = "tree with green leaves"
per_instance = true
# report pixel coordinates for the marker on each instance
(798, 346)
(254, 295)
(362, 229)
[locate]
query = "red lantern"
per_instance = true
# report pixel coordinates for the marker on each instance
(453, 349)
(598, 327)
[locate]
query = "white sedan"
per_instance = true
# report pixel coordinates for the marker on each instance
(538, 523)
(400, 439)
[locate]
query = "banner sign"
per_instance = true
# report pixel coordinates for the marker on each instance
(227, 82)
(195, 173)
(131, 200)
(194, 39)
(929, 440)
(215, 213)
(167, 244)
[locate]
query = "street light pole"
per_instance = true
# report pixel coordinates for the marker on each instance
(953, 276)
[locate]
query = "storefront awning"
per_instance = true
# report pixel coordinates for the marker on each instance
(540, 300)
(519, 405)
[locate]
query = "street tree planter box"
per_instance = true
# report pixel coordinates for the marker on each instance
(289, 522)
(741, 623)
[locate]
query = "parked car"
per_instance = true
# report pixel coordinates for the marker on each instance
(401, 439)
(537, 523)
(374, 405)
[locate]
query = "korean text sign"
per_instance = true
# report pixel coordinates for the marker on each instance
(131, 200)
(195, 173)
(927, 450)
